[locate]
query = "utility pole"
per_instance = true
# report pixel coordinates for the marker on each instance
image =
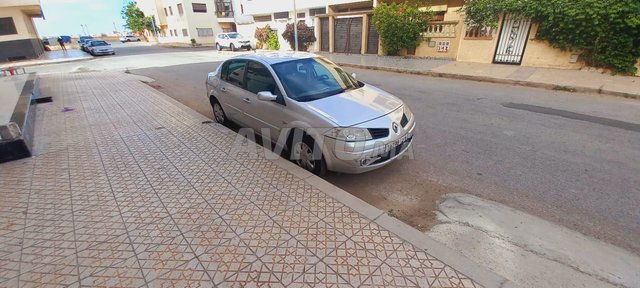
(153, 22)
(115, 29)
(295, 26)
(83, 32)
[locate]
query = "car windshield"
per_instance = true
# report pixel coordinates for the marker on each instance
(313, 78)
(234, 35)
(99, 43)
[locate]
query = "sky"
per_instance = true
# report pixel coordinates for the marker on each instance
(64, 17)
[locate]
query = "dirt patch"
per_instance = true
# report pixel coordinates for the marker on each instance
(404, 197)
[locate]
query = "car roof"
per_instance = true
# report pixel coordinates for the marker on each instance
(275, 57)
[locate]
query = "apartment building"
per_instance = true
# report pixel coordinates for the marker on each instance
(19, 39)
(182, 20)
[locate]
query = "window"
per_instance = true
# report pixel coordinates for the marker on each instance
(199, 7)
(479, 32)
(175, 32)
(281, 15)
(171, 32)
(317, 11)
(205, 32)
(262, 18)
(7, 27)
(185, 33)
(170, 11)
(233, 72)
(165, 12)
(180, 9)
(259, 79)
(301, 15)
(224, 8)
(313, 78)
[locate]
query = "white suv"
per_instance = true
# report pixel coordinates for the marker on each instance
(233, 41)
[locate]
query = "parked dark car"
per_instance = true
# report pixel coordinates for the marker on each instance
(82, 42)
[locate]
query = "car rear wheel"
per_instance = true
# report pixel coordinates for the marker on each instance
(218, 47)
(232, 47)
(218, 112)
(303, 153)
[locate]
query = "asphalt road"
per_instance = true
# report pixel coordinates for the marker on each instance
(570, 158)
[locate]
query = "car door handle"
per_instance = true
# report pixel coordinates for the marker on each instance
(223, 89)
(247, 100)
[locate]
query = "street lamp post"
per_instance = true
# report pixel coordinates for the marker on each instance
(295, 27)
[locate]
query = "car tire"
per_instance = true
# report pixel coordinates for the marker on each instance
(232, 47)
(218, 113)
(138, 40)
(301, 153)
(218, 47)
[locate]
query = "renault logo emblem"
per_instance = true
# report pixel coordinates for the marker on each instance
(394, 126)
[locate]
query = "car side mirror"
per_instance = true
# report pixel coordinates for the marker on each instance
(267, 96)
(354, 75)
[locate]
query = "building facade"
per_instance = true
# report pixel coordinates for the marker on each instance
(19, 39)
(347, 28)
(179, 21)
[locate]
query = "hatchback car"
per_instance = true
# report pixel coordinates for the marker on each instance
(323, 117)
(99, 47)
(233, 41)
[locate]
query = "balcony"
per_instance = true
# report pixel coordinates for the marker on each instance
(441, 29)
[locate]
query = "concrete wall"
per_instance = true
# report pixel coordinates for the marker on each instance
(539, 53)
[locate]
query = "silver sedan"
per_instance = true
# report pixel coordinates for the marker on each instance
(320, 115)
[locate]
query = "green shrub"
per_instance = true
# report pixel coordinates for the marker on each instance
(272, 42)
(400, 25)
(305, 36)
(606, 32)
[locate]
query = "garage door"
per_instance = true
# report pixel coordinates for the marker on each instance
(348, 35)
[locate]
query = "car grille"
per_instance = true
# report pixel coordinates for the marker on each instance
(404, 120)
(377, 133)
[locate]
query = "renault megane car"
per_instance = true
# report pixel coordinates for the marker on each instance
(323, 117)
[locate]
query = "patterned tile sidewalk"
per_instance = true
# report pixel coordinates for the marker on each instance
(131, 190)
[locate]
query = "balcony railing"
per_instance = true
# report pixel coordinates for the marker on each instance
(441, 29)
(224, 14)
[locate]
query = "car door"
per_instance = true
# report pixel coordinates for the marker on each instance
(231, 91)
(263, 114)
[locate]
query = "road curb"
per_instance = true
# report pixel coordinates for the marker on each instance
(568, 88)
(53, 62)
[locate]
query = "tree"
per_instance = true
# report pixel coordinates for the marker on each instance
(606, 32)
(305, 36)
(262, 35)
(135, 20)
(400, 25)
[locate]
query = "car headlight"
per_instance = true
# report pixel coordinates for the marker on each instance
(349, 134)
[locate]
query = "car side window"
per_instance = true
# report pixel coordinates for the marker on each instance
(259, 79)
(233, 72)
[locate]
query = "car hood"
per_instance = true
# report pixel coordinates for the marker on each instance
(355, 106)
